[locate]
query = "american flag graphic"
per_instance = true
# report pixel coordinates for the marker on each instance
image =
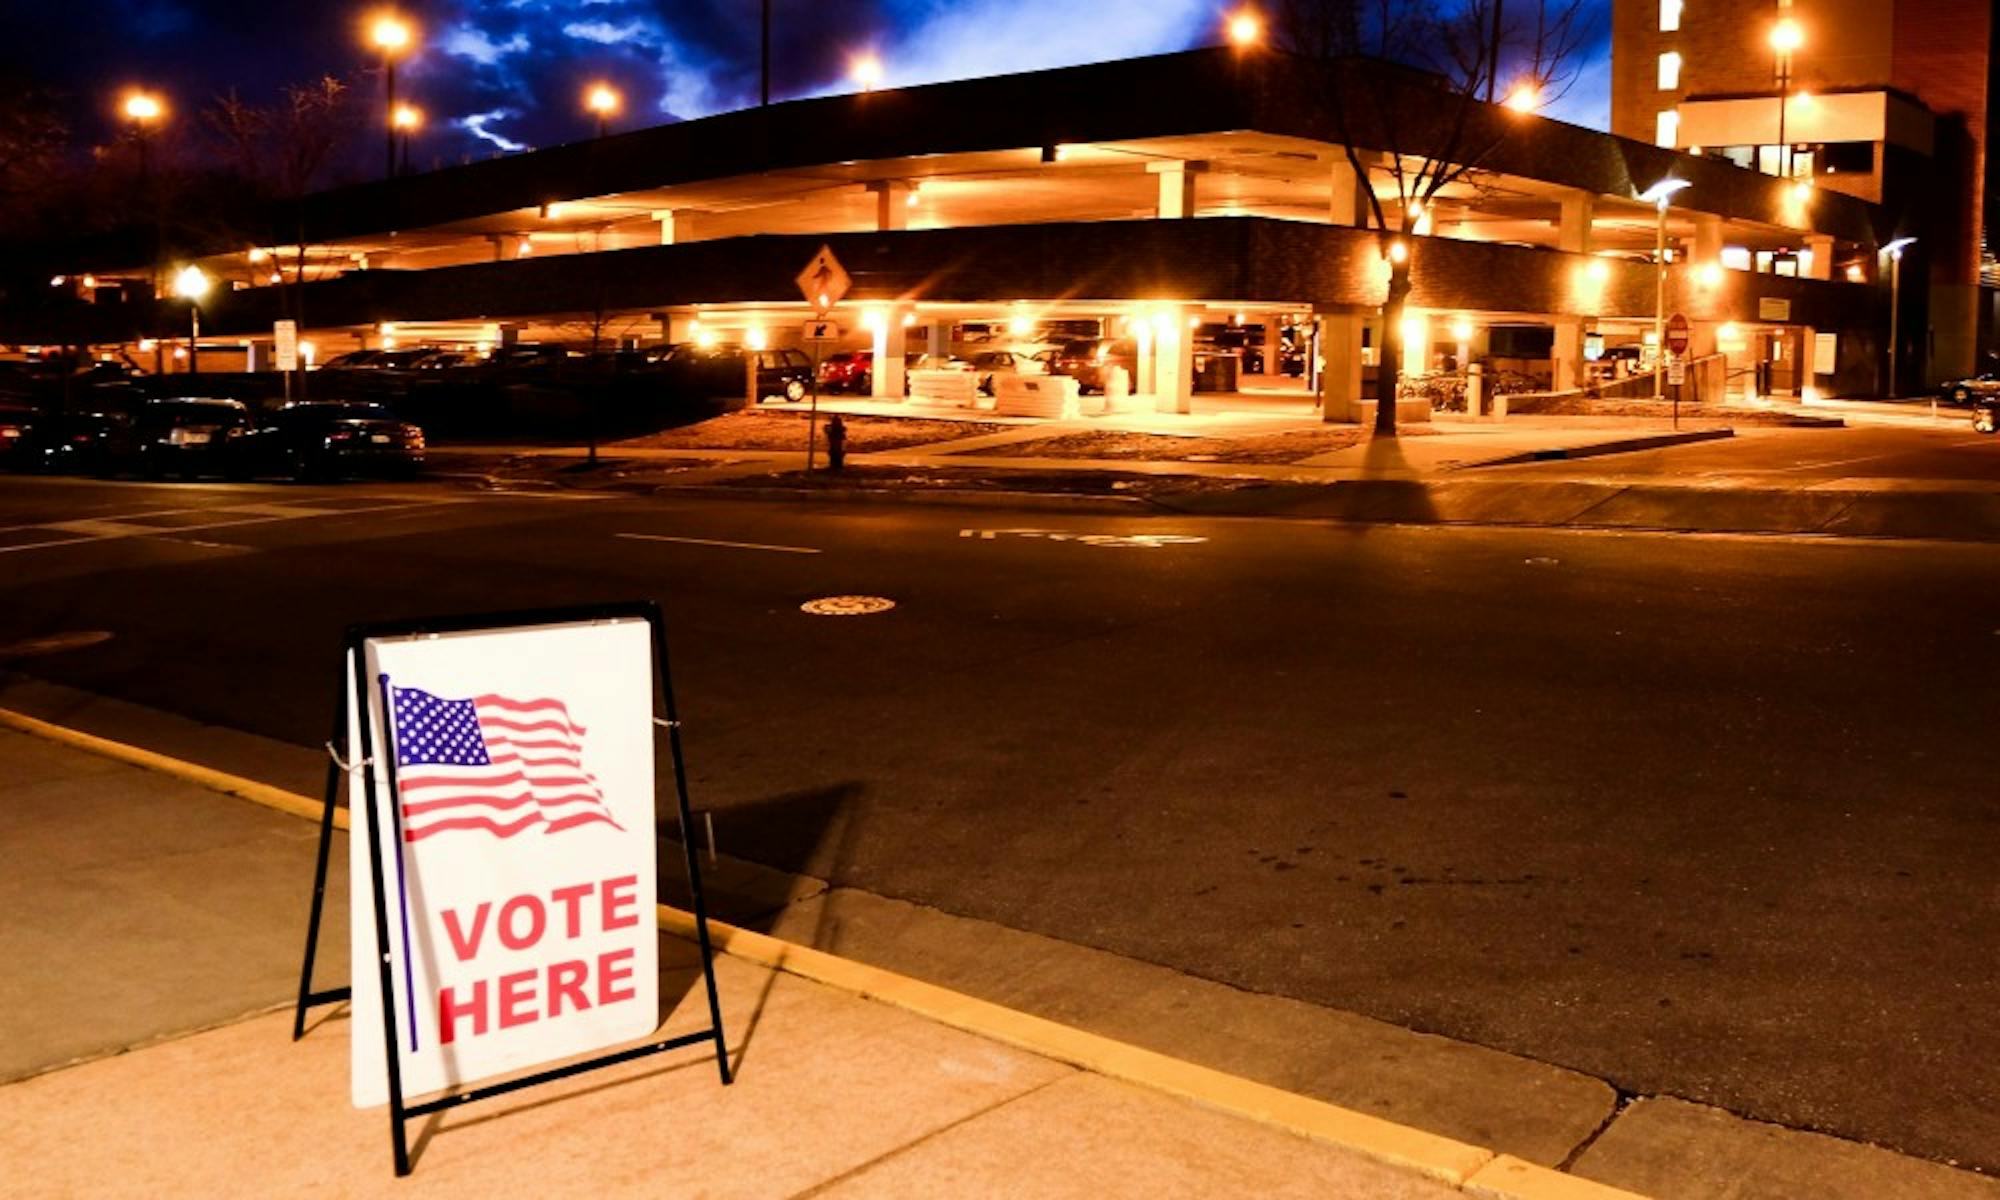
(491, 763)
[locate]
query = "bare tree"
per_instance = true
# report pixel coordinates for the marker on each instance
(1410, 78)
(284, 150)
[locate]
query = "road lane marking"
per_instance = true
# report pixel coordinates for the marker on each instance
(1121, 541)
(695, 541)
(110, 529)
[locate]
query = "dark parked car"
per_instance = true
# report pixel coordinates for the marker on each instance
(1090, 360)
(711, 371)
(325, 439)
(182, 436)
(1965, 391)
(17, 434)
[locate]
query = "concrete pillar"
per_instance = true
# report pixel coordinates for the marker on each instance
(1173, 360)
(1177, 199)
(1707, 238)
(1822, 257)
(890, 343)
(1348, 201)
(937, 341)
(1573, 229)
(892, 204)
(1274, 343)
(1566, 359)
(676, 225)
(1142, 341)
(1340, 373)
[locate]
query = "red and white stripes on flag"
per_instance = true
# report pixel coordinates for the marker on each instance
(491, 763)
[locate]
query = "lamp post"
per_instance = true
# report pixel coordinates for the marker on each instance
(404, 121)
(1895, 250)
(1786, 36)
(191, 284)
(392, 36)
(144, 110)
(766, 90)
(603, 100)
(1660, 194)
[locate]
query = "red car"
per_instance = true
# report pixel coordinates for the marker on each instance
(1089, 361)
(848, 371)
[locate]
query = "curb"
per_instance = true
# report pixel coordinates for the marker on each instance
(1474, 1170)
(943, 497)
(1598, 449)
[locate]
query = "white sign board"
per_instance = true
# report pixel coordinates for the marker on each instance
(1677, 371)
(285, 339)
(1773, 308)
(520, 895)
(1826, 353)
(824, 281)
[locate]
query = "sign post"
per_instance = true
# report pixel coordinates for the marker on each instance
(823, 283)
(285, 341)
(1678, 337)
(502, 878)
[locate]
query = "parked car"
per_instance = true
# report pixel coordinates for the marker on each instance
(1965, 391)
(720, 370)
(988, 363)
(353, 360)
(847, 371)
(325, 439)
(17, 430)
(181, 436)
(1089, 361)
(74, 442)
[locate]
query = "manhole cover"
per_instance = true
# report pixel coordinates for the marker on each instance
(847, 606)
(55, 643)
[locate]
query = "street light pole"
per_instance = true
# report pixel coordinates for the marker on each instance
(194, 336)
(1660, 194)
(392, 36)
(767, 53)
(1786, 36)
(1895, 250)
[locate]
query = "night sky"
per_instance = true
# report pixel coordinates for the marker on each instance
(496, 75)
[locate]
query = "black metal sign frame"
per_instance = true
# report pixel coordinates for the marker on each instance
(355, 691)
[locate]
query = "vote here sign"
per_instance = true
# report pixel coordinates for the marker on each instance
(513, 791)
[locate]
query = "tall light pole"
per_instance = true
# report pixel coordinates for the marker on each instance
(1659, 195)
(767, 53)
(145, 110)
(1786, 37)
(191, 284)
(602, 99)
(391, 35)
(1895, 250)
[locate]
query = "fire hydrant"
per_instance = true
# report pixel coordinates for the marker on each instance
(836, 443)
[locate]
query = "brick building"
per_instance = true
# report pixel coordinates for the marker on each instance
(1889, 100)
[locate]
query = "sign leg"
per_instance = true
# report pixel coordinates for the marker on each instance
(306, 996)
(385, 974)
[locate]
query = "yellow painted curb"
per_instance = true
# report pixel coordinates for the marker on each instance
(1474, 1169)
(221, 781)
(1510, 1178)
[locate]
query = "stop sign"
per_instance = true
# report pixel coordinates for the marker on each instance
(1677, 334)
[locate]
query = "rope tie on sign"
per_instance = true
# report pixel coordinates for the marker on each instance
(347, 767)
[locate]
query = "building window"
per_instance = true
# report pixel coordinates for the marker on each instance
(1670, 15)
(1667, 128)
(1670, 71)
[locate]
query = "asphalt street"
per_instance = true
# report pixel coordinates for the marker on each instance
(1708, 817)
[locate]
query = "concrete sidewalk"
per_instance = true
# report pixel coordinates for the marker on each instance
(148, 972)
(153, 949)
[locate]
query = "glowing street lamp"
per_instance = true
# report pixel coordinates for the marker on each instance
(1246, 29)
(1786, 37)
(404, 120)
(867, 71)
(1895, 252)
(1659, 196)
(191, 284)
(142, 108)
(603, 100)
(1524, 98)
(392, 36)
